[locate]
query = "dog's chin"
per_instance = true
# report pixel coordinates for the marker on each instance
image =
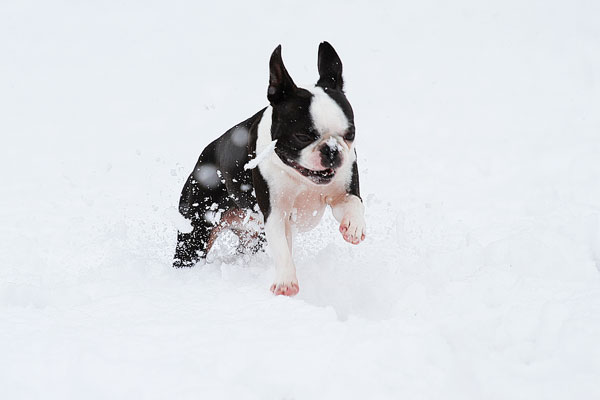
(320, 177)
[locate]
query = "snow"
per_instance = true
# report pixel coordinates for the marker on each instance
(333, 143)
(477, 130)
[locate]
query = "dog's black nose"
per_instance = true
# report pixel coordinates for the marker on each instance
(330, 157)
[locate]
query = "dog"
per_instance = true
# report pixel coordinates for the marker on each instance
(276, 172)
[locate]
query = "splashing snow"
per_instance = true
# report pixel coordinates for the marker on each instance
(261, 156)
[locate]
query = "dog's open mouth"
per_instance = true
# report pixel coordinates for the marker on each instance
(322, 176)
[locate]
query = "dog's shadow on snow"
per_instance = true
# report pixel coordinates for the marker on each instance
(352, 280)
(348, 280)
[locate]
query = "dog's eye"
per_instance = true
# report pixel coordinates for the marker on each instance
(349, 135)
(304, 137)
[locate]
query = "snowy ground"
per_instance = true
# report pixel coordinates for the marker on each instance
(478, 130)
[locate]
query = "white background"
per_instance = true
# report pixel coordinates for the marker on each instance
(478, 130)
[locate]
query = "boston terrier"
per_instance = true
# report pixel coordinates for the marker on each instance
(275, 173)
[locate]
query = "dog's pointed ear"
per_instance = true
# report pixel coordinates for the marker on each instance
(281, 84)
(330, 68)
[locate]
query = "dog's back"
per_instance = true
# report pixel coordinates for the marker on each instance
(218, 188)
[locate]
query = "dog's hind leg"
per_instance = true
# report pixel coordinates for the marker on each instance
(251, 242)
(195, 245)
(198, 200)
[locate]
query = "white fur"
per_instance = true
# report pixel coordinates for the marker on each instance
(260, 156)
(349, 211)
(326, 114)
(296, 202)
(264, 131)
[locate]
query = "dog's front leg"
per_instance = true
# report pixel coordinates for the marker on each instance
(279, 238)
(349, 211)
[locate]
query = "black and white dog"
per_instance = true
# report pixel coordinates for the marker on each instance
(276, 172)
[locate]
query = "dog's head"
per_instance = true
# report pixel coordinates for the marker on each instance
(314, 128)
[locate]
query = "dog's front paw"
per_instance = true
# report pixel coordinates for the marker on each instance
(285, 288)
(353, 228)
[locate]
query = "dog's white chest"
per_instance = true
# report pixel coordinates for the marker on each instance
(307, 210)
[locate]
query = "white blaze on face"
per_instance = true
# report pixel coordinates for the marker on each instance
(327, 115)
(330, 122)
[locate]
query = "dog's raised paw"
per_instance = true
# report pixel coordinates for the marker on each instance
(286, 289)
(353, 229)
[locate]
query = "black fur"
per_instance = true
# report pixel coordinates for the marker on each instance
(330, 68)
(218, 183)
(354, 187)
